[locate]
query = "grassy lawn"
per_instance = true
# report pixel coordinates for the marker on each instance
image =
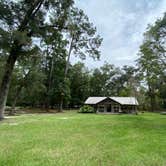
(71, 139)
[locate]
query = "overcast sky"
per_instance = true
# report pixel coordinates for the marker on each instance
(121, 23)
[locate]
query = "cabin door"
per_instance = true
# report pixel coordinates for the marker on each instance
(109, 108)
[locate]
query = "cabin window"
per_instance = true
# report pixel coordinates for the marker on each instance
(116, 108)
(124, 108)
(101, 108)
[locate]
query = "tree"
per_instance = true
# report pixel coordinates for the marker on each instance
(26, 74)
(54, 59)
(152, 58)
(23, 21)
(157, 36)
(79, 77)
(82, 40)
(103, 80)
(81, 36)
(150, 70)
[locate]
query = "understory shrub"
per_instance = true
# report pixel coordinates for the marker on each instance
(86, 109)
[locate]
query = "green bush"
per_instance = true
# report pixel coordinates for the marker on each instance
(86, 109)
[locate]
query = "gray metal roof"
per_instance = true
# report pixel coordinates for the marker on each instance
(120, 100)
(94, 100)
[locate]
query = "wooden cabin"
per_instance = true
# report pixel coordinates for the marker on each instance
(113, 104)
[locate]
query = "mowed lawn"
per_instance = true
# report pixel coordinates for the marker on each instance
(72, 139)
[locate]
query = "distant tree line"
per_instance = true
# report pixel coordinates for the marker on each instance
(37, 40)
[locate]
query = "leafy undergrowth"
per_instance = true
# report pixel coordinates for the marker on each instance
(83, 140)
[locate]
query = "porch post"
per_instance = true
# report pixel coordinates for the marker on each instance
(120, 108)
(105, 108)
(112, 108)
(135, 107)
(97, 108)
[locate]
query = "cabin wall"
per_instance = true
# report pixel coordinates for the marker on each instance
(110, 106)
(129, 108)
(115, 108)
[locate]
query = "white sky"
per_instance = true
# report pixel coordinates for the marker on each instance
(121, 23)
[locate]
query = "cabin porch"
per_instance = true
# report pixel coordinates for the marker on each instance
(115, 108)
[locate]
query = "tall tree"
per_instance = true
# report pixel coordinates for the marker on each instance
(82, 40)
(79, 77)
(54, 57)
(152, 58)
(103, 80)
(21, 22)
(26, 73)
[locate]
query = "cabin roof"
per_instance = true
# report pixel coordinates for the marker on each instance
(120, 100)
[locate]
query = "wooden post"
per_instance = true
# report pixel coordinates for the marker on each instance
(112, 108)
(105, 108)
(120, 108)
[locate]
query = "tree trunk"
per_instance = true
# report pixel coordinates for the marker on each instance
(47, 102)
(4, 88)
(68, 57)
(153, 102)
(152, 98)
(66, 71)
(61, 104)
(15, 100)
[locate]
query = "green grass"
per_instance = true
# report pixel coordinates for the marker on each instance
(71, 139)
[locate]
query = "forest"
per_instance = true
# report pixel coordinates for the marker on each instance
(37, 41)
